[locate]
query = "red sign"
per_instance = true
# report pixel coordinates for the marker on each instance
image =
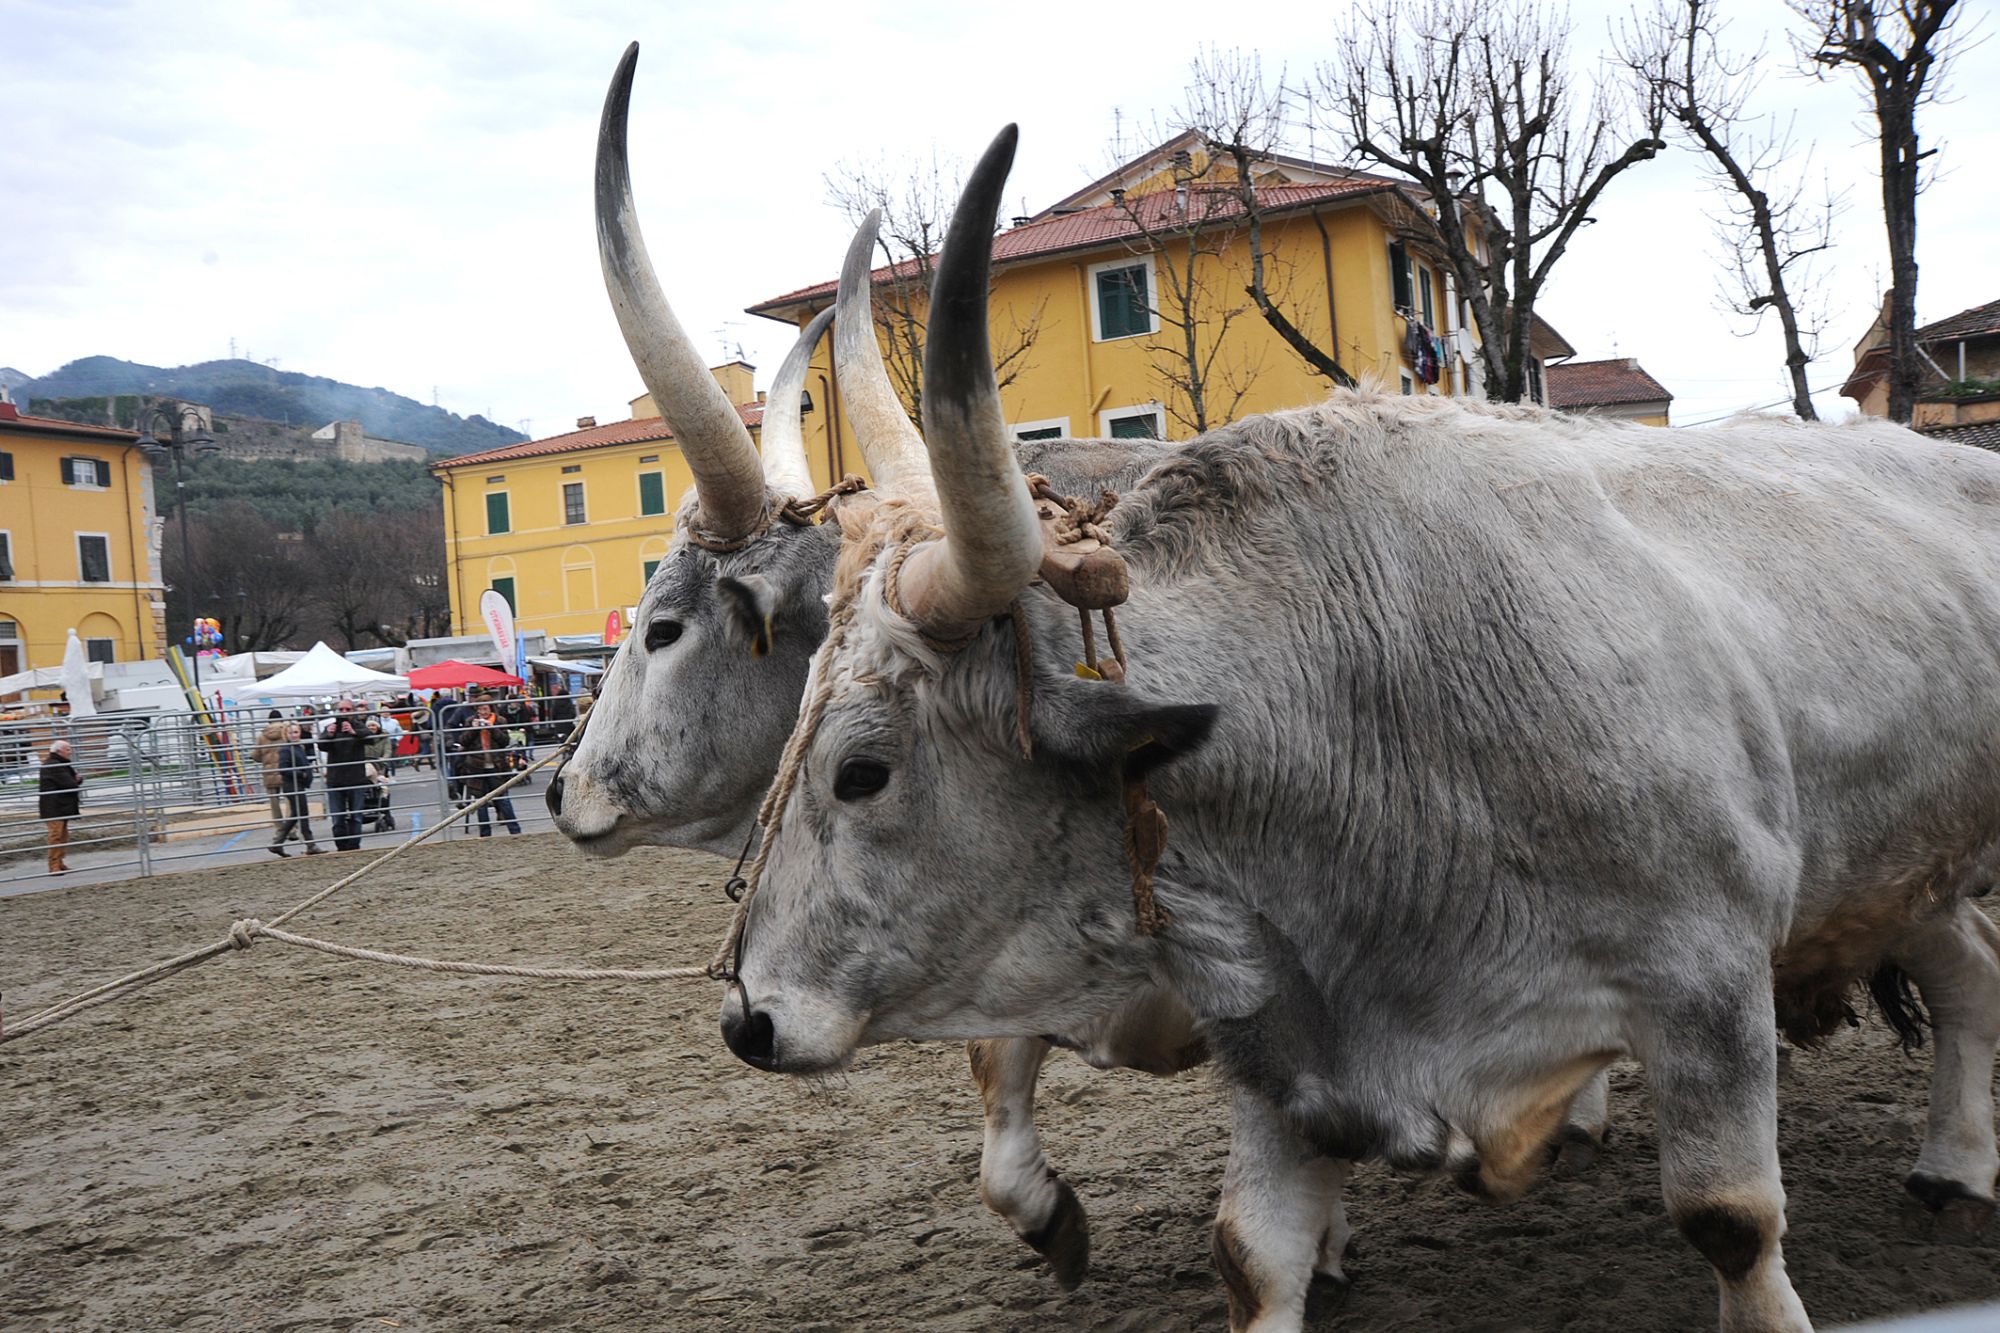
(614, 628)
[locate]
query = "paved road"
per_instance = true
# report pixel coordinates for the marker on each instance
(415, 796)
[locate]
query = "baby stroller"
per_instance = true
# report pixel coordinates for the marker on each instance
(376, 812)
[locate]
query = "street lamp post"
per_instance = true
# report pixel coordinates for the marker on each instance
(185, 432)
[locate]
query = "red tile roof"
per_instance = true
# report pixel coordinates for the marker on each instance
(1110, 224)
(1977, 322)
(1603, 384)
(1982, 434)
(11, 416)
(637, 431)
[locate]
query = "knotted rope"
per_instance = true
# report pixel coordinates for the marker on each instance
(242, 934)
(797, 512)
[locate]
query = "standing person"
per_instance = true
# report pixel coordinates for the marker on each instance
(270, 745)
(485, 762)
(295, 771)
(344, 742)
(59, 802)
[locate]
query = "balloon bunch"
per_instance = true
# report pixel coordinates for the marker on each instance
(207, 633)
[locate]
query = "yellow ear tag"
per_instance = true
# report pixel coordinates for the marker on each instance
(1086, 673)
(761, 644)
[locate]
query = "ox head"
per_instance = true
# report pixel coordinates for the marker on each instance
(927, 878)
(695, 708)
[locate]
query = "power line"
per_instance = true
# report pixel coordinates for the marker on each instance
(1777, 402)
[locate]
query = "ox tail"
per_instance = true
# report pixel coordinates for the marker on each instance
(1896, 998)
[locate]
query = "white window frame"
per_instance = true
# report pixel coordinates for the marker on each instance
(1155, 410)
(91, 485)
(1097, 309)
(583, 499)
(107, 580)
(1059, 424)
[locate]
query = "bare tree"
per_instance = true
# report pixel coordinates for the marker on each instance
(1187, 230)
(916, 206)
(245, 575)
(1769, 228)
(1897, 45)
(1473, 100)
(1243, 119)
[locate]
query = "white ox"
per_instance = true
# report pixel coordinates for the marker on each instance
(1497, 746)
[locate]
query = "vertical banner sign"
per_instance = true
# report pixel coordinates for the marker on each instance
(614, 628)
(499, 618)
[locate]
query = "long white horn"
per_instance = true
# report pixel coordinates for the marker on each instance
(784, 432)
(892, 446)
(992, 544)
(713, 438)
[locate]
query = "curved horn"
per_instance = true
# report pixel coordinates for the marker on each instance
(727, 475)
(784, 432)
(992, 544)
(892, 446)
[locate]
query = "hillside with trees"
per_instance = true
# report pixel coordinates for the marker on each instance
(251, 389)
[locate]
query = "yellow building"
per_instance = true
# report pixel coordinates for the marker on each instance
(570, 527)
(1140, 276)
(78, 547)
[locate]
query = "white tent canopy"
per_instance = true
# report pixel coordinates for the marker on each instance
(323, 672)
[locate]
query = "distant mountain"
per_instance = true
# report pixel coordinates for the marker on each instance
(11, 378)
(249, 389)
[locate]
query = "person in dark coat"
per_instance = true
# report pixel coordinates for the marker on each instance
(344, 742)
(296, 771)
(59, 801)
(486, 757)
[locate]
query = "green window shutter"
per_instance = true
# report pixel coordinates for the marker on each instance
(1121, 302)
(1399, 275)
(505, 587)
(1145, 426)
(496, 513)
(650, 566)
(652, 493)
(1042, 433)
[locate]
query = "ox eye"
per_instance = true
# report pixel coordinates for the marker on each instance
(858, 778)
(661, 633)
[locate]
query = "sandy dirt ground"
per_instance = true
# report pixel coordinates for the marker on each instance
(282, 1140)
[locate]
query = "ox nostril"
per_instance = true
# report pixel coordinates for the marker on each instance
(748, 1032)
(554, 794)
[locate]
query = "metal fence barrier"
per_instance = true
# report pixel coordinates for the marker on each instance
(168, 792)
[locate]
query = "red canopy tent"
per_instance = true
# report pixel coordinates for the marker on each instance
(454, 673)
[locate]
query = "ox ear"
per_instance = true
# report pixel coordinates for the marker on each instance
(1108, 729)
(750, 606)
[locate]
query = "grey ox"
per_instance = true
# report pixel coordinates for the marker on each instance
(1496, 745)
(696, 707)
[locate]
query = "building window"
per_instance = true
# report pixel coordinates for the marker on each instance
(1427, 298)
(6, 466)
(652, 493)
(6, 556)
(1055, 428)
(1123, 304)
(1409, 386)
(1535, 392)
(1399, 275)
(647, 575)
(496, 513)
(93, 557)
(1133, 423)
(101, 650)
(90, 473)
(570, 469)
(649, 458)
(496, 479)
(572, 502)
(505, 587)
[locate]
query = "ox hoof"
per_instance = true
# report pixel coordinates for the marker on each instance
(1574, 1151)
(1961, 1214)
(1064, 1240)
(1325, 1295)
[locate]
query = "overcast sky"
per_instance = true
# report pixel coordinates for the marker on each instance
(398, 194)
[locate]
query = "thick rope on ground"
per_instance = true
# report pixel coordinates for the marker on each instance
(118, 988)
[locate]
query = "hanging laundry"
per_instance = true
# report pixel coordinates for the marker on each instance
(1423, 349)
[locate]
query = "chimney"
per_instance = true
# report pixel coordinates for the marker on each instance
(585, 423)
(1020, 219)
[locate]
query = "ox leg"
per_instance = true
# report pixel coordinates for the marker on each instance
(1956, 965)
(1712, 1062)
(1015, 1178)
(1584, 1127)
(1280, 1219)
